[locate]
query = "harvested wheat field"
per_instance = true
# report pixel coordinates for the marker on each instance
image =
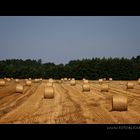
(116, 104)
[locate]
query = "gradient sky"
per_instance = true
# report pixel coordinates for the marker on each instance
(60, 39)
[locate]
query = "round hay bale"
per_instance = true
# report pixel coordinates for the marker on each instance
(2, 82)
(30, 79)
(36, 80)
(104, 87)
(49, 84)
(28, 83)
(130, 85)
(104, 79)
(73, 79)
(19, 88)
(72, 82)
(86, 87)
(51, 80)
(110, 79)
(100, 81)
(49, 93)
(65, 79)
(40, 79)
(17, 80)
(139, 81)
(85, 81)
(119, 103)
(8, 79)
(61, 81)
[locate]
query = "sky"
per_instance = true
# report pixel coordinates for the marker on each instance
(59, 39)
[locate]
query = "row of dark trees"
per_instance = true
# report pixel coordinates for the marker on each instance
(95, 68)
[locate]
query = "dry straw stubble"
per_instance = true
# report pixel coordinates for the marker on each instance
(49, 84)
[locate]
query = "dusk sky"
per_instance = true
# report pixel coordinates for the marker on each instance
(60, 39)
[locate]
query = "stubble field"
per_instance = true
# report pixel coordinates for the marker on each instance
(70, 104)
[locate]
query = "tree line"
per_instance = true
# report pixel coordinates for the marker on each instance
(92, 69)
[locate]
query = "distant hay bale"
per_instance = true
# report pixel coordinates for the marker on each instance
(12, 78)
(104, 79)
(72, 82)
(2, 82)
(30, 79)
(85, 81)
(17, 80)
(51, 80)
(40, 79)
(28, 83)
(72, 78)
(104, 87)
(8, 79)
(69, 79)
(65, 79)
(100, 81)
(19, 88)
(49, 93)
(36, 80)
(49, 84)
(61, 81)
(130, 85)
(86, 87)
(139, 81)
(119, 103)
(110, 79)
